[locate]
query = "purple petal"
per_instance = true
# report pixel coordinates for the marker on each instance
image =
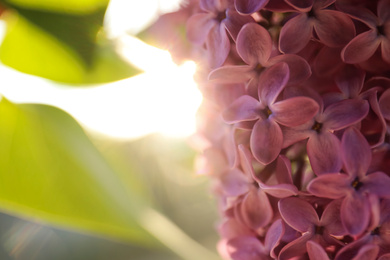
(199, 26)
(231, 74)
(298, 214)
(361, 48)
(256, 211)
(254, 44)
(235, 182)
(331, 219)
(266, 141)
(324, 153)
(211, 5)
(367, 252)
(234, 22)
(384, 10)
(299, 68)
(280, 190)
(296, 134)
(249, 6)
(350, 81)
(272, 81)
(332, 186)
(384, 104)
(294, 111)
(335, 29)
(344, 113)
(244, 108)
(218, 46)
(273, 236)
(288, 40)
(301, 5)
(232, 228)
(295, 248)
(377, 183)
(351, 249)
(316, 251)
(246, 248)
(385, 47)
(384, 257)
(356, 152)
(355, 213)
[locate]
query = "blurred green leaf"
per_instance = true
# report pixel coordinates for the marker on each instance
(61, 46)
(66, 6)
(51, 171)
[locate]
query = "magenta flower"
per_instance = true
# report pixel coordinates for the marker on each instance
(354, 185)
(323, 147)
(364, 45)
(376, 241)
(210, 28)
(266, 138)
(301, 216)
(254, 45)
(249, 6)
(333, 28)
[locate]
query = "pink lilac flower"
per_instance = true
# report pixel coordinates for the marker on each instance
(299, 162)
(333, 28)
(323, 147)
(364, 45)
(301, 216)
(267, 138)
(254, 45)
(210, 27)
(354, 185)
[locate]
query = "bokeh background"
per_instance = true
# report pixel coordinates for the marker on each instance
(142, 127)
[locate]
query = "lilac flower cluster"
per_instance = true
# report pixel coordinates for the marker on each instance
(295, 125)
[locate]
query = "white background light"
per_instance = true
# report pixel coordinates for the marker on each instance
(164, 99)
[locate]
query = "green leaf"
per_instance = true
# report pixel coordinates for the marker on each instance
(66, 6)
(51, 171)
(61, 46)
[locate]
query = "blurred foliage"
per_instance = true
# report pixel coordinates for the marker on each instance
(51, 171)
(61, 41)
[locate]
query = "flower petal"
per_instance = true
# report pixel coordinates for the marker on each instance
(298, 214)
(324, 153)
(377, 183)
(256, 211)
(294, 111)
(350, 81)
(235, 182)
(246, 248)
(360, 48)
(266, 141)
(273, 236)
(272, 81)
(367, 252)
(384, 257)
(344, 113)
(244, 108)
(295, 248)
(332, 186)
(302, 6)
(334, 28)
(218, 46)
(331, 219)
(385, 47)
(356, 152)
(231, 74)
(384, 104)
(355, 213)
(316, 251)
(199, 26)
(254, 44)
(288, 40)
(249, 6)
(299, 68)
(234, 22)
(384, 10)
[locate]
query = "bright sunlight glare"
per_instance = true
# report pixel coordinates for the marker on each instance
(164, 99)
